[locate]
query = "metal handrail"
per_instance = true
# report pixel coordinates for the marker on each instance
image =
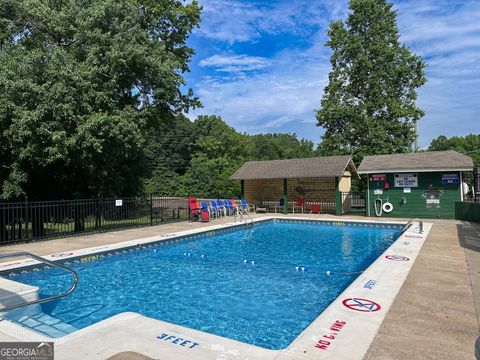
(410, 223)
(49, 298)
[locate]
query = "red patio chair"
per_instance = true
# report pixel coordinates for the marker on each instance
(315, 209)
(195, 208)
(300, 203)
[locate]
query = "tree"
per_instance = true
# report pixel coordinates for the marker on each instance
(82, 83)
(198, 158)
(468, 145)
(368, 106)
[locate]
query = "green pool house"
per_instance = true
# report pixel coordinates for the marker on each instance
(423, 184)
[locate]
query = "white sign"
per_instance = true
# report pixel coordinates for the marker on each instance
(378, 191)
(407, 190)
(406, 180)
(433, 201)
(118, 202)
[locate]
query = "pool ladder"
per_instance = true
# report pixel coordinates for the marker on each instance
(46, 299)
(410, 223)
(240, 213)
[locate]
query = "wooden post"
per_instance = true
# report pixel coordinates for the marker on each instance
(242, 189)
(285, 196)
(338, 197)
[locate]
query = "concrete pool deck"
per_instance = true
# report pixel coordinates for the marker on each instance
(433, 315)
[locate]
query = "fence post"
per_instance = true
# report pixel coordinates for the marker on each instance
(26, 217)
(338, 197)
(366, 203)
(151, 210)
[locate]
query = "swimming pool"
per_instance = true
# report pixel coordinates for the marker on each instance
(245, 283)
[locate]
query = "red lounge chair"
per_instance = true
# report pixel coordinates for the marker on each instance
(195, 208)
(315, 209)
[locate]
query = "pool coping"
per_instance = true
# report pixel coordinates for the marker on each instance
(338, 332)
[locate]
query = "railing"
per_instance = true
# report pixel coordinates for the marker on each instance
(325, 207)
(410, 223)
(26, 221)
(46, 299)
(353, 203)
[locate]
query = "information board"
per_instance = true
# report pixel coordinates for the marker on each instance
(378, 177)
(450, 179)
(406, 180)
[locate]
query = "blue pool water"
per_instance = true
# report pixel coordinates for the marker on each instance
(205, 284)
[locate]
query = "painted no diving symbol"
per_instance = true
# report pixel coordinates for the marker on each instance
(397, 258)
(62, 254)
(362, 305)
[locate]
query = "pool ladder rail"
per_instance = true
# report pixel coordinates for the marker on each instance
(46, 299)
(240, 214)
(411, 222)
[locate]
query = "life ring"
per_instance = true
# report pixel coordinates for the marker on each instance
(387, 207)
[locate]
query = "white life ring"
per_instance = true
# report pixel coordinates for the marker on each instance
(387, 207)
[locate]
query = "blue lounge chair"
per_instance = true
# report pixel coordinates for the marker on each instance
(228, 206)
(245, 208)
(221, 207)
(206, 208)
(233, 207)
(216, 208)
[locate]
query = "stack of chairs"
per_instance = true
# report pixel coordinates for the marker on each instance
(218, 208)
(198, 211)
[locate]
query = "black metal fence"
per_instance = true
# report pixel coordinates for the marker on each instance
(354, 203)
(26, 221)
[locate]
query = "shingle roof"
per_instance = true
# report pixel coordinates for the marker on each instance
(295, 168)
(419, 162)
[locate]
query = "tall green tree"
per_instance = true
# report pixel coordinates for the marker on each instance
(369, 105)
(82, 83)
(468, 145)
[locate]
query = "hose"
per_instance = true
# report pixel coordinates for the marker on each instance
(378, 209)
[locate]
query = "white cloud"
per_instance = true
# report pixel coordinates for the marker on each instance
(282, 92)
(241, 21)
(235, 63)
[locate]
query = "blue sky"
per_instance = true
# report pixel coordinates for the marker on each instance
(262, 65)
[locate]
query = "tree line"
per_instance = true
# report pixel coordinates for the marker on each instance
(93, 101)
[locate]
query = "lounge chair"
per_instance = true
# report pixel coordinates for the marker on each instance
(221, 207)
(235, 205)
(245, 208)
(206, 208)
(195, 208)
(229, 207)
(215, 208)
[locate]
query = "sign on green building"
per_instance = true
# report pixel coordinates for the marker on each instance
(423, 185)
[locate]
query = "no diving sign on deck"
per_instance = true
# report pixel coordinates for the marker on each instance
(359, 304)
(397, 258)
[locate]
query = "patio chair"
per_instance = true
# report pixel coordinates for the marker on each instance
(245, 208)
(195, 208)
(229, 207)
(235, 205)
(315, 209)
(215, 208)
(206, 208)
(281, 204)
(221, 207)
(300, 203)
